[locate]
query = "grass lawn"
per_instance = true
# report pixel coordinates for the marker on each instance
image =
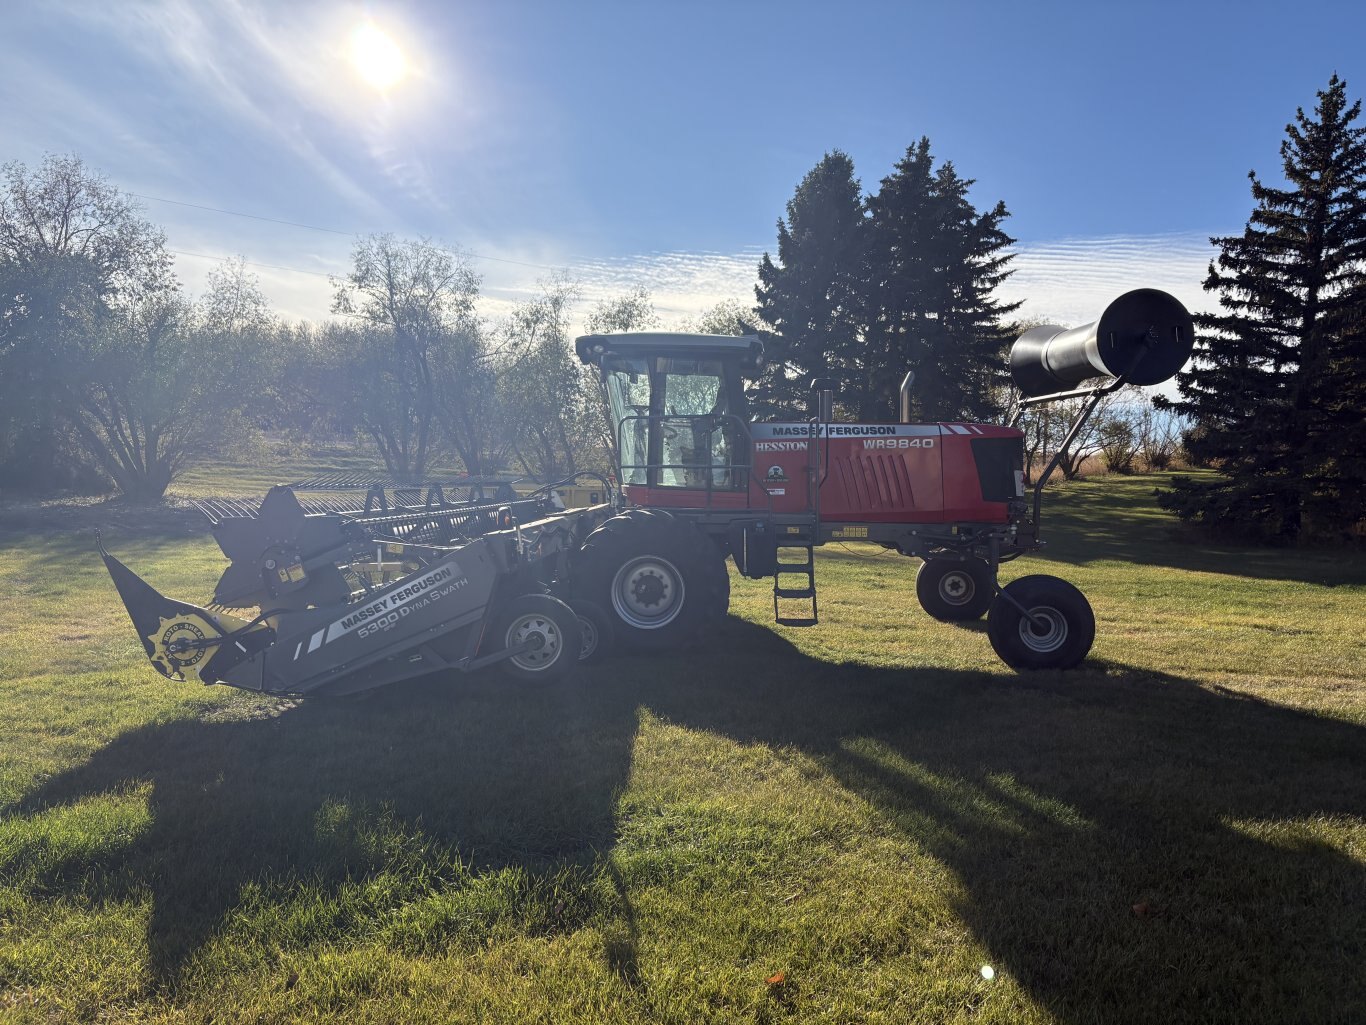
(842, 824)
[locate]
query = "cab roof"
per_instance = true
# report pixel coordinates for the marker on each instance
(746, 349)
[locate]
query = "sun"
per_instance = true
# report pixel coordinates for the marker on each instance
(376, 56)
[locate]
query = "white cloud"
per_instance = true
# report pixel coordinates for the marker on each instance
(1071, 280)
(1068, 281)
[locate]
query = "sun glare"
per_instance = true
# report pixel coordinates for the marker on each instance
(376, 56)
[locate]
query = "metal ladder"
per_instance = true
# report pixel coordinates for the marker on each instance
(806, 592)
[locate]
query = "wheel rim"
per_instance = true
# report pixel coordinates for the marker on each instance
(957, 587)
(1048, 634)
(647, 592)
(588, 637)
(544, 636)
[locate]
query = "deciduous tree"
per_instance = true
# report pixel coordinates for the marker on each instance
(555, 422)
(417, 301)
(100, 340)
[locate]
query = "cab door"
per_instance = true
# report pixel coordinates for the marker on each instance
(683, 441)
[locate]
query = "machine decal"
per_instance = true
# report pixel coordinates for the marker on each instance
(780, 446)
(766, 432)
(382, 606)
(899, 443)
(383, 613)
(776, 475)
(848, 532)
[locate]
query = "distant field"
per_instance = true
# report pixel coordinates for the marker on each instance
(842, 824)
(274, 463)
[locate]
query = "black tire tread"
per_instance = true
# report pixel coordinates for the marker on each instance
(1003, 623)
(643, 531)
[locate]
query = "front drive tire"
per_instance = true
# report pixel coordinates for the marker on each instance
(549, 626)
(659, 579)
(954, 592)
(1062, 638)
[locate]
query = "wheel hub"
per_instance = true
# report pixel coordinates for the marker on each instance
(648, 592)
(1044, 630)
(648, 589)
(541, 637)
(956, 588)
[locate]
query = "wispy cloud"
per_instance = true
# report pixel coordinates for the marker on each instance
(1072, 280)
(1067, 281)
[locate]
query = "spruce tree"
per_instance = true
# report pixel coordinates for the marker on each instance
(1276, 389)
(809, 301)
(933, 264)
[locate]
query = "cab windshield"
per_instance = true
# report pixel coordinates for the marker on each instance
(672, 423)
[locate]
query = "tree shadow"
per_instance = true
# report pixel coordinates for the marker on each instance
(1131, 846)
(1117, 518)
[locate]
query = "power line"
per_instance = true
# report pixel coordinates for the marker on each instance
(299, 270)
(252, 263)
(238, 213)
(331, 231)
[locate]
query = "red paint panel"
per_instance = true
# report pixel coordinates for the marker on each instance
(926, 477)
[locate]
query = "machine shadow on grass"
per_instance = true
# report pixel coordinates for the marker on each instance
(1103, 822)
(439, 787)
(1106, 825)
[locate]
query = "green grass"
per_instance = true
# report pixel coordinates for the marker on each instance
(275, 461)
(874, 808)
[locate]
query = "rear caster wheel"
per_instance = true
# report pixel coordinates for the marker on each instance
(549, 630)
(598, 635)
(954, 591)
(1058, 632)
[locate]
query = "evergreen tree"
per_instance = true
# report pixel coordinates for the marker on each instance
(1277, 389)
(809, 301)
(933, 263)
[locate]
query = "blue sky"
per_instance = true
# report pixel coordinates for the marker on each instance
(656, 143)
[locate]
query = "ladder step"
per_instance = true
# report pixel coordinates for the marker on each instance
(796, 547)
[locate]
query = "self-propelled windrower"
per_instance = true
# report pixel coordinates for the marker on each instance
(328, 594)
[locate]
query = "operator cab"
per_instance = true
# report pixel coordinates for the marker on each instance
(678, 407)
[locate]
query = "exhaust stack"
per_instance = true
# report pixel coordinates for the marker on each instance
(906, 383)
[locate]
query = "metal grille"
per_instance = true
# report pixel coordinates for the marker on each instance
(363, 495)
(218, 509)
(441, 526)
